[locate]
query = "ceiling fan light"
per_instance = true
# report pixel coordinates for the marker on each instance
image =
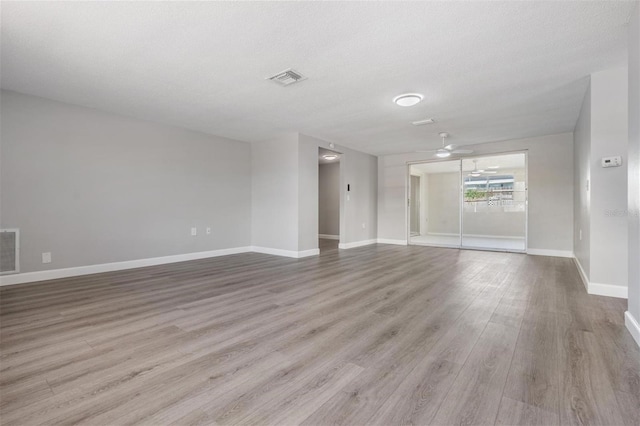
(474, 174)
(442, 153)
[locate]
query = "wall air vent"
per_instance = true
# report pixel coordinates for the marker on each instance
(9, 251)
(287, 77)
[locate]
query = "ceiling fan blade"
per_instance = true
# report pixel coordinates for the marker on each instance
(451, 147)
(462, 151)
(430, 150)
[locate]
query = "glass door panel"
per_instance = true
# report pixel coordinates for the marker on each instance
(434, 204)
(494, 212)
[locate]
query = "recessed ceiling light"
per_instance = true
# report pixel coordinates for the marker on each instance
(330, 156)
(408, 99)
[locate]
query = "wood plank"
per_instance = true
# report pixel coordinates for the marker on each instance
(374, 335)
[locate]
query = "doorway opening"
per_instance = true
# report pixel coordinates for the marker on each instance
(476, 202)
(328, 199)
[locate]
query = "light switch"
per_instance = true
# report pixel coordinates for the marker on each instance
(194, 232)
(46, 257)
(208, 231)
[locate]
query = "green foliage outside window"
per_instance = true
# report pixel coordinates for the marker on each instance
(473, 194)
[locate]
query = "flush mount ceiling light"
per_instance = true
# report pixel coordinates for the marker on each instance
(408, 99)
(330, 156)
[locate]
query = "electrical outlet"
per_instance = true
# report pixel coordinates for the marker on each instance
(194, 232)
(46, 257)
(208, 230)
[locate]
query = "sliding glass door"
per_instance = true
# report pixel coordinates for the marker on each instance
(434, 204)
(494, 206)
(475, 202)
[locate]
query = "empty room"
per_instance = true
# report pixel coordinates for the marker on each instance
(319, 213)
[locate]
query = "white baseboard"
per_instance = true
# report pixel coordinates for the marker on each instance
(285, 253)
(53, 274)
(552, 253)
(599, 289)
(633, 326)
(609, 290)
(389, 241)
(329, 237)
(356, 244)
(307, 253)
(29, 277)
(583, 274)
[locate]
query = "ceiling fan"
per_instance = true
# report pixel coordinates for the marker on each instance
(479, 172)
(447, 150)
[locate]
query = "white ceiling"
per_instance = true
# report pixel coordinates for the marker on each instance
(488, 70)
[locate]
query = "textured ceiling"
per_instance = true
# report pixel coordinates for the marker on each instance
(489, 71)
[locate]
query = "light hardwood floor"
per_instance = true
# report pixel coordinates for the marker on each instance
(380, 335)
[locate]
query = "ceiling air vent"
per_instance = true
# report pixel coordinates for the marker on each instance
(423, 122)
(287, 77)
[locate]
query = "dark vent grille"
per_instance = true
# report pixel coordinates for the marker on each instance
(8, 251)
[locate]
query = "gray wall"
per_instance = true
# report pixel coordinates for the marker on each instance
(634, 165)
(601, 131)
(274, 194)
(94, 188)
(357, 169)
(307, 194)
(329, 198)
(609, 136)
(285, 193)
(550, 161)
(582, 166)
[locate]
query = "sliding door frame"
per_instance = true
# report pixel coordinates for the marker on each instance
(407, 205)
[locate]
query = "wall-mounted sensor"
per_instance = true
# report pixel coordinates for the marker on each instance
(611, 161)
